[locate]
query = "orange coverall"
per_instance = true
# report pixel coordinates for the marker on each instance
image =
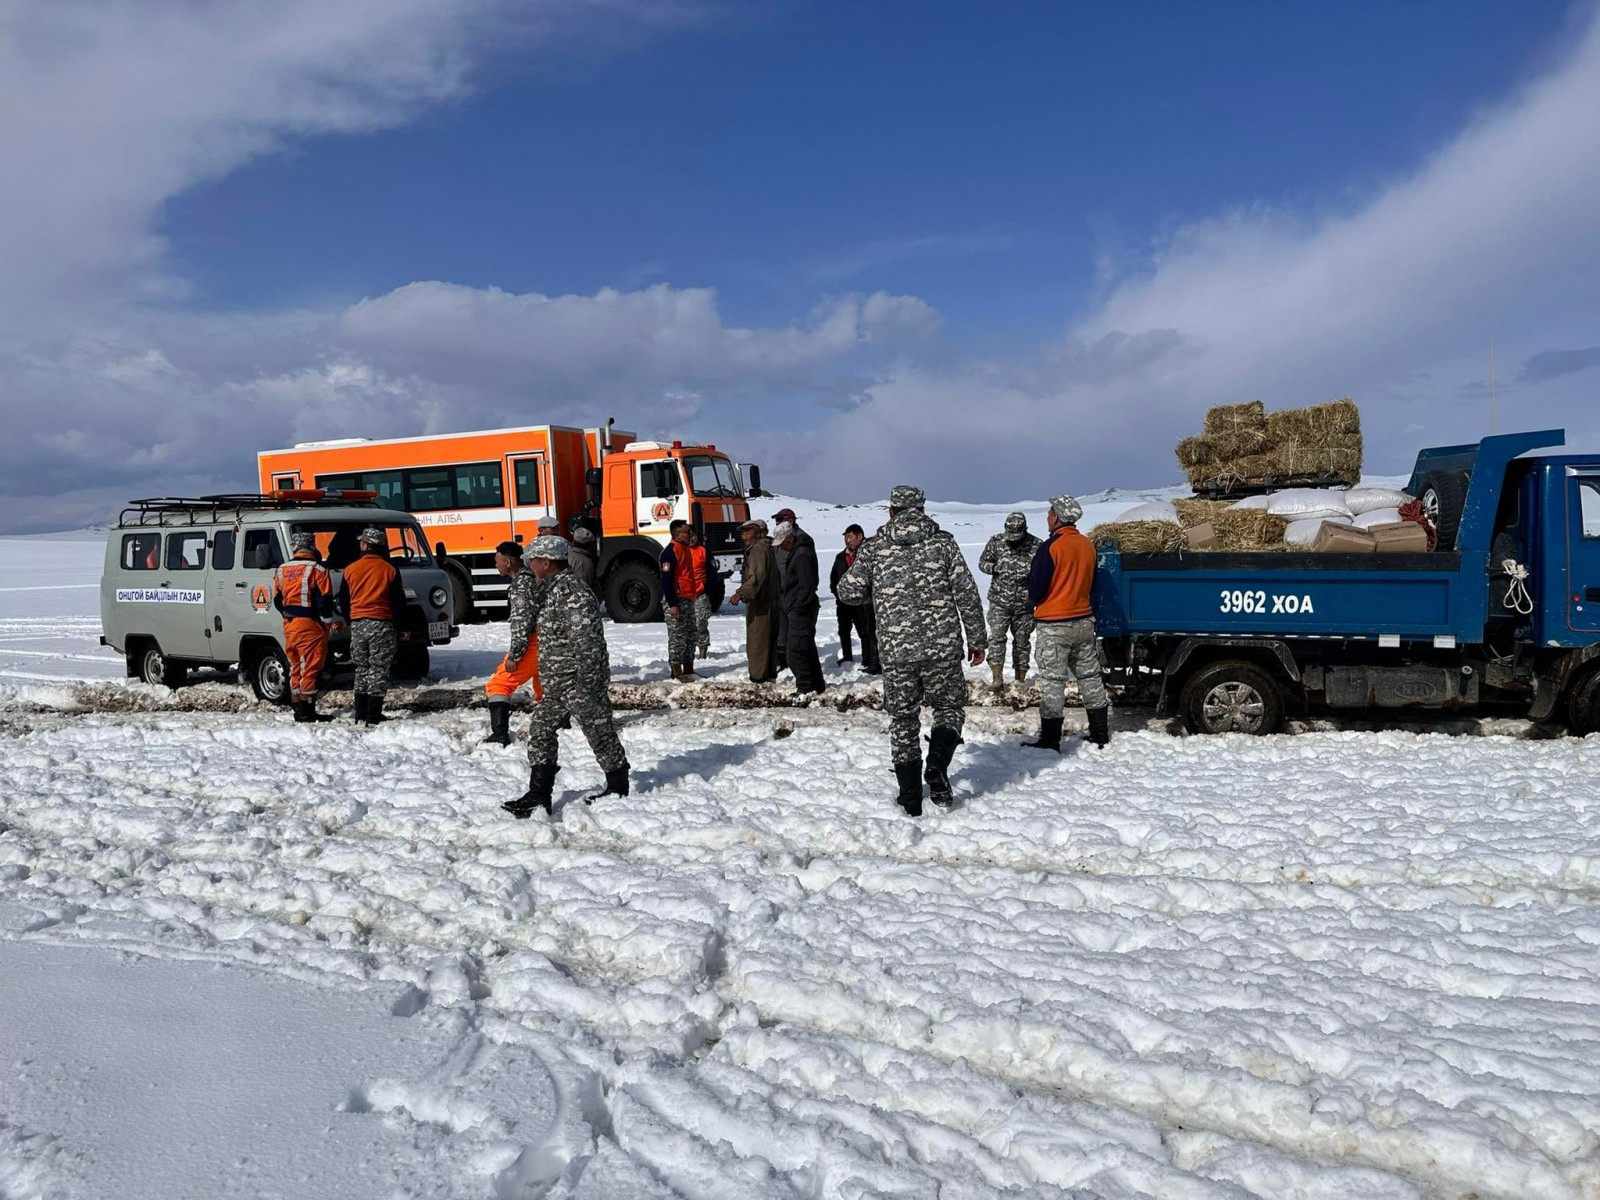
(303, 593)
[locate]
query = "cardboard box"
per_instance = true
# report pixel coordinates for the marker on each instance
(1202, 537)
(1337, 538)
(1403, 537)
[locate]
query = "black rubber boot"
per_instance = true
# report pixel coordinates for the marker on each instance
(942, 745)
(304, 714)
(358, 708)
(375, 709)
(499, 725)
(1049, 735)
(910, 776)
(616, 784)
(541, 786)
(1099, 726)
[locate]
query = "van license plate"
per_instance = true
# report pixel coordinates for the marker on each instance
(438, 631)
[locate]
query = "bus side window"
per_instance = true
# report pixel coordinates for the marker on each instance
(480, 485)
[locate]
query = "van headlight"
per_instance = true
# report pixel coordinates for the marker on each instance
(438, 597)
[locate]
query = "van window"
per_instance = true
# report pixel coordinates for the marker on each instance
(141, 551)
(261, 550)
(186, 551)
(1589, 501)
(222, 550)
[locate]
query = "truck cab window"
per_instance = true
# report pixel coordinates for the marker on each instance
(1589, 500)
(186, 551)
(710, 477)
(659, 479)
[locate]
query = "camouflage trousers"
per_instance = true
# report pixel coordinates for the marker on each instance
(372, 649)
(940, 684)
(1064, 647)
(1015, 618)
(589, 705)
(691, 628)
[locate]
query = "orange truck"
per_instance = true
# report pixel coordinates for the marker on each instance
(471, 491)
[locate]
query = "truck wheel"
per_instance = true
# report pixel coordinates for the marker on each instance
(460, 596)
(156, 668)
(633, 593)
(411, 662)
(269, 675)
(1232, 697)
(1583, 705)
(1444, 496)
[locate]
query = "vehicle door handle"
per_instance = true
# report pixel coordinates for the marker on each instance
(1592, 595)
(241, 586)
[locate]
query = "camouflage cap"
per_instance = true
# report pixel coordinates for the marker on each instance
(903, 495)
(301, 541)
(550, 546)
(373, 536)
(1066, 509)
(1016, 524)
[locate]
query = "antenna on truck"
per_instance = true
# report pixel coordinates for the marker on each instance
(1494, 422)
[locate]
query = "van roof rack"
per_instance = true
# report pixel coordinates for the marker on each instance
(155, 510)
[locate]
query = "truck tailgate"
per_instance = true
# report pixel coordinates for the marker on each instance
(1413, 596)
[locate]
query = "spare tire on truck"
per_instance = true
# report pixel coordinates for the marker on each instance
(1444, 497)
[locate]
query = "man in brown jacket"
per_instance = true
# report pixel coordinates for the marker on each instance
(758, 592)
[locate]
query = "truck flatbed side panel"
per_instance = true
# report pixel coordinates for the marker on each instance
(1291, 561)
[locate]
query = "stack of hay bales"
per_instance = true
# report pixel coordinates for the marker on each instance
(1245, 443)
(1149, 530)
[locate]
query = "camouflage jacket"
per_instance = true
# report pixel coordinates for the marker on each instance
(1008, 562)
(520, 611)
(572, 637)
(921, 591)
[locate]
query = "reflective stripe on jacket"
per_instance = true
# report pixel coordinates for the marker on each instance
(302, 587)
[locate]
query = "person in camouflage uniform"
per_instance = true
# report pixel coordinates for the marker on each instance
(373, 601)
(923, 597)
(1007, 558)
(575, 670)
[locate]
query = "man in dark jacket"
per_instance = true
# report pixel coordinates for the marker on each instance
(799, 604)
(858, 616)
(780, 556)
(758, 592)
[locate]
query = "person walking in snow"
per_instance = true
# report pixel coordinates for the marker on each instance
(923, 597)
(800, 606)
(758, 592)
(373, 600)
(302, 592)
(683, 587)
(1059, 583)
(1007, 559)
(521, 663)
(575, 670)
(857, 616)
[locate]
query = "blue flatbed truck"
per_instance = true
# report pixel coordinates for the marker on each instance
(1235, 642)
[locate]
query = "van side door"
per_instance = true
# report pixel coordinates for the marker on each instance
(1583, 550)
(242, 567)
(178, 606)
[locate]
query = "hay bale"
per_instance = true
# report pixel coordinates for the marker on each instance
(1193, 511)
(1194, 451)
(1233, 419)
(1246, 529)
(1141, 537)
(1315, 425)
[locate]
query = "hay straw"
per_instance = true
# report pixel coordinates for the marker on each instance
(1248, 529)
(1193, 511)
(1141, 537)
(1196, 451)
(1233, 419)
(1316, 425)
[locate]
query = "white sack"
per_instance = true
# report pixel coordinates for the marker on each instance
(1365, 500)
(1301, 504)
(1377, 516)
(1155, 510)
(1303, 533)
(1252, 502)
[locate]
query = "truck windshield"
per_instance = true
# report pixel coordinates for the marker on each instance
(338, 545)
(711, 476)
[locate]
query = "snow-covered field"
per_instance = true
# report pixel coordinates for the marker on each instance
(244, 957)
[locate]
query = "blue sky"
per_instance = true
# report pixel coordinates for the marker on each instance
(1011, 248)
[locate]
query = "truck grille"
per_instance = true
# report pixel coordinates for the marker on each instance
(721, 537)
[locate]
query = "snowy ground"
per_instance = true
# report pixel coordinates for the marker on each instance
(250, 957)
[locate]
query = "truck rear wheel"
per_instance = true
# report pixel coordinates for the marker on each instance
(1444, 496)
(633, 593)
(1583, 705)
(1232, 697)
(411, 662)
(460, 595)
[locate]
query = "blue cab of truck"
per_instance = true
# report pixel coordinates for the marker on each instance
(1505, 613)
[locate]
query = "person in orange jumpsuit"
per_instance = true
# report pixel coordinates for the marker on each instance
(302, 593)
(521, 664)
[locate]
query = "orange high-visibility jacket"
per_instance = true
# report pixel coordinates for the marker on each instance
(371, 590)
(302, 587)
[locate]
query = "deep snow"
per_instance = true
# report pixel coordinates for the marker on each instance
(1334, 964)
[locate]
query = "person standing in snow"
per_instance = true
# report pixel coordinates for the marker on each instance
(302, 592)
(373, 600)
(1007, 558)
(858, 616)
(1059, 583)
(780, 556)
(581, 561)
(521, 663)
(683, 588)
(758, 592)
(923, 597)
(575, 670)
(716, 590)
(799, 604)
